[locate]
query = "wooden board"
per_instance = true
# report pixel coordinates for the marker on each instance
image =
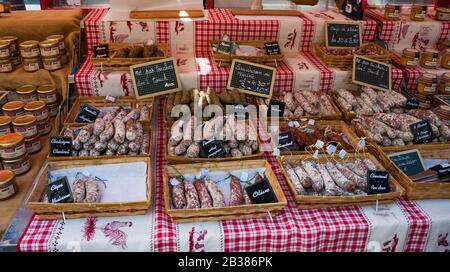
(272, 12)
(166, 14)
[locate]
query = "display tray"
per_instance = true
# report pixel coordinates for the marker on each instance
(419, 190)
(348, 115)
(346, 61)
(227, 59)
(100, 102)
(123, 64)
(309, 201)
(224, 213)
(50, 211)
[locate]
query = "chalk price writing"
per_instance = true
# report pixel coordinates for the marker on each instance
(375, 69)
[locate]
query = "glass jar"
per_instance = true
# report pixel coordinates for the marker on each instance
(445, 58)
(15, 59)
(5, 125)
(59, 39)
(27, 93)
(418, 12)
(12, 146)
(5, 51)
(49, 49)
(30, 49)
(44, 127)
(38, 109)
(392, 12)
(53, 109)
(47, 93)
(19, 166)
(26, 125)
(32, 64)
(443, 14)
(444, 84)
(52, 64)
(13, 42)
(14, 109)
(6, 66)
(33, 145)
(410, 57)
(444, 45)
(427, 84)
(8, 184)
(429, 58)
(64, 57)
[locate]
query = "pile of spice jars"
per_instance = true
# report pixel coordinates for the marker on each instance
(429, 58)
(13, 153)
(46, 93)
(9, 55)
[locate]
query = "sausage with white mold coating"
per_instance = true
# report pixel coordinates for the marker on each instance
(192, 201)
(339, 178)
(330, 188)
(85, 133)
(359, 181)
(216, 194)
(123, 148)
(107, 134)
(317, 181)
(79, 188)
(145, 145)
(296, 180)
(203, 195)
(236, 196)
(178, 195)
(120, 131)
(131, 130)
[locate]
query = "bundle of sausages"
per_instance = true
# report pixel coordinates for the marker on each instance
(117, 132)
(150, 49)
(393, 129)
(85, 189)
(367, 49)
(370, 101)
(330, 178)
(304, 103)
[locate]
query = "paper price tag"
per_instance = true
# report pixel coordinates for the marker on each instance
(319, 144)
(203, 173)
(311, 122)
(331, 149)
(362, 143)
(276, 152)
(342, 154)
(294, 124)
(316, 154)
(174, 182)
(244, 176)
(110, 98)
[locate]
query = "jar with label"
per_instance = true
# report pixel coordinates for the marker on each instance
(49, 49)
(429, 58)
(427, 84)
(26, 125)
(8, 184)
(392, 12)
(32, 64)
(12, 146)
(5, 125)
(64, 57)
(47, 93)
(418, 12)
(444, 84)
(15, 59)
(53, 109)
(14, 109)
(445, 58)
(19, 166)
(30, 49)
(5, 51)
(27, 93)
(13, 42)
(44, 127)
(52, 64)
(6, 66)
(410, 57)
(443, 14)
(38, 109)
(59, 39)
(33, 145)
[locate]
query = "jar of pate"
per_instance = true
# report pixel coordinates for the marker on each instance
(44, 127)
(59, 39)
(53, 109)
(38, 109)
(27, 93)
(410, 57)
(443, 14)
(52, 64)
(49, 49)
(445, 58)
(33, 145)
(12, 146)
(8, 184)
(13, 42)
(418, 12)
(47, 93)
(392, 12)
(30, 49)
(427, 84)
(6, 66)
(19, 166)
(32, 64)
(429, 58)
(14, 109)
(5, 51)
(64, 57)
(5, 125)
(15, 59)
(444, 84)
(26, 125)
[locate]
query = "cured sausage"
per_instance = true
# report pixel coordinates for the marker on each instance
(192, 201)
(92, 191)
(339, 178)
(330, 188)
(79, 188)
(236, 196)
(178, 196)
(203, 195)
(216, 194)
(295, 179)
(317, 181)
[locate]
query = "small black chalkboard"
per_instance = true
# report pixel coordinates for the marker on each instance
(378, 182)
(59, 191)
(224, 47)
(342, 34)
(60, 146)
(411, 104)
(410, 162)
(101, 51)
(422, 132)
(87, 114)
(155, 78)
(371, 73)
(251, 78)
(286, 141)
(353, 9)
(261, 192)
(212, 149)
(276, 108)
(272, 48)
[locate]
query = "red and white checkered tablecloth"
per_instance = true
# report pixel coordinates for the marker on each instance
(91, 28)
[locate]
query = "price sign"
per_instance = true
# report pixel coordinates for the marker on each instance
(422, 132)
(212, 149)
(60, 146)
(378, 182)
(59, 191)
(342, 34)
(371, 73)
(286, 141)
(101, 51)
(410, 162)
(87, 114)
(224, 47)
(261, 192)
(272, 48)
(411, 104)
(276, 108)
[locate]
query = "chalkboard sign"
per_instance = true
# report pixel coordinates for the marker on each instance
(59, 191)
(224, 47)
(87, 114)
(410, 162)
(342, 34)
(101, 51)
(261, 192)
(422, 132)
(155, 78)
(212, 149)
(251, 78)
(377, 182)
(354, 9)
(272, 48)
(286, 141)
(371, 73)
(411, 104)
(276, 108)
(60, 146)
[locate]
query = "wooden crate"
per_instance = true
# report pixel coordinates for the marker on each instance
(348, 116)
(225, 213)
(51, 211)
(123, 64)
(307, 201)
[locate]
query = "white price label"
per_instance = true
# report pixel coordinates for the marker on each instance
(203, 173)
(342, 154)
(311, 122)
(244, 176)
(331, 149)
(110, 98)
(319, 144)
(362, 143)
(276, 152)
(174, 182)
(316, 154)
(294, 124)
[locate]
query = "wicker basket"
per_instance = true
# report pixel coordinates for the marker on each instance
(123, 64)
(347, 61)
(50, 211)
(305, 201)
(225, 213)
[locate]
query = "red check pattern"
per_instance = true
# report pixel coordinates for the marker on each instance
(369, 30)
(386, 27)
(326, 75)
(36, 236)
(91, 28)
(83, 78)
(307, 35)
(412, 75)
(419, 226)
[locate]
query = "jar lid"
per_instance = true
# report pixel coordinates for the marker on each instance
(5, 120)
(10, 139)
(419, 6)
(48, 43)
(429, 77)
(8, 38)
(58, 38)
(48, 88)
(5, 60)
(28, 44)
(393, 6)
(13, 106)
(51, 58)
(4, 43)
(23, 158)
(26, 89)
(6, 176)
(24, 120)
(430, 51)
(442, 9)
(446, 77)
(35, 105)
(411, 52)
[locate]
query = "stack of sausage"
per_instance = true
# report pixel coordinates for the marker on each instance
(365, 50)
(393, 129)
(330, 178)
(371, 101)
(117, 132)
(138, 51)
